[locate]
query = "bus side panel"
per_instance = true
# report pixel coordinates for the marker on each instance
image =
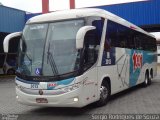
(136, 63)
(140, 61)
(115, 65)
(128, 69)
(111, 73)
(90, 91)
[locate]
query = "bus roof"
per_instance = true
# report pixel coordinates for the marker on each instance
(156, 34)
(83, 12)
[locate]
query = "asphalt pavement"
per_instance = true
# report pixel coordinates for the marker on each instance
(137, 100)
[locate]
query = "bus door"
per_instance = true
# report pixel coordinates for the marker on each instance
(90, 56)
(90, 71)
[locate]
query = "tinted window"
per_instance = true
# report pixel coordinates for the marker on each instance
(121, 36)
(111, 35)
(92, 43)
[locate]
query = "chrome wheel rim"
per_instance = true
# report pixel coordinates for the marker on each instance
(104, 93)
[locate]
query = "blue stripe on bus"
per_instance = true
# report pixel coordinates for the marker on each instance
(62, 82)
(57, 83)
(25, 81)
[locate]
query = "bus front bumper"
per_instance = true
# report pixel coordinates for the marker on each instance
(69, 99)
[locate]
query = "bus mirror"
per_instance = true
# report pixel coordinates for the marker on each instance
(8, 38)
(81, 34)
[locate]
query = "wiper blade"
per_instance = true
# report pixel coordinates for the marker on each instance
(25, 47)
(29, 58)
(24, 51)
(51, 61)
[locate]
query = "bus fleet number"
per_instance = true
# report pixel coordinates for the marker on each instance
(108, 61)
(34, 85)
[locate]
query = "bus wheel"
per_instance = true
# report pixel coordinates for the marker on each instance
(10, 72)
(104, 94)
(151, 77)
(146, 81)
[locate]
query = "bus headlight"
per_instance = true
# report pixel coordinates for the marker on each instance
(75, 99)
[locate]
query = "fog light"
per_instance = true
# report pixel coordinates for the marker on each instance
(75, 99)
(17, 96)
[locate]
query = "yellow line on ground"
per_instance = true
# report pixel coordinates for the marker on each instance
(6, 76)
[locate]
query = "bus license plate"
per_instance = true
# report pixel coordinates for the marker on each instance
(41, 100)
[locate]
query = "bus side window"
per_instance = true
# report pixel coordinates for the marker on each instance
(130, 40)
(137, 40)
(91, 46)
(124, 36)
(111, 36)
(99, 28)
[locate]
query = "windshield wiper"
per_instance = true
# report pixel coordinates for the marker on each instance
(29, 58)
(24, 51)
(51, 61)
(24, 42)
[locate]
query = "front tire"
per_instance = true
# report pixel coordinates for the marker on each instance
(104, 95)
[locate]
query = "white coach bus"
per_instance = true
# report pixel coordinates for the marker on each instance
(76, 57)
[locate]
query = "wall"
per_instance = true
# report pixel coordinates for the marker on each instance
(139, 13)
(11, 20)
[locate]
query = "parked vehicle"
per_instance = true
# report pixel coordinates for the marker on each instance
(76, 57)
(8, 63)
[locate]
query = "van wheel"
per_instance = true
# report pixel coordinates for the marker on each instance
(10, 72)
(104, 95)
(147, 81)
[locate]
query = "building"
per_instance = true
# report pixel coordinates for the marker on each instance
(11, 20)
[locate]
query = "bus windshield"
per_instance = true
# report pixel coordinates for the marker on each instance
(49, 49)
